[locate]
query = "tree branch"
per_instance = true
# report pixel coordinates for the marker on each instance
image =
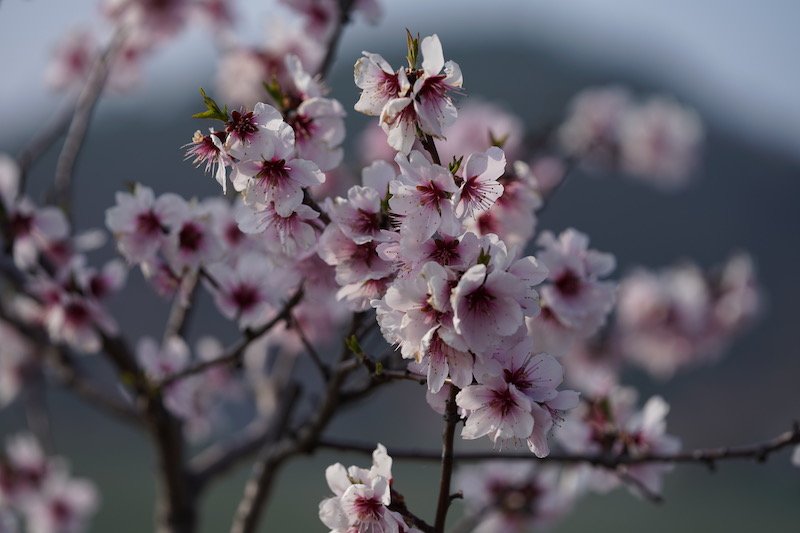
(345, 8)
(705, 456)
(79, 125)
(450, 420)
(181, 306)
(305, 440)
(42, 142)
(234, 353)
(221, 457)
(398, 505)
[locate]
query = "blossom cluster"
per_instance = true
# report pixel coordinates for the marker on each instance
(62, 294)
(39, 490)
(432, 242)
(656, 140)
(362, 498)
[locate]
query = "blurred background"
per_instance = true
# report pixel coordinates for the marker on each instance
(735, 62)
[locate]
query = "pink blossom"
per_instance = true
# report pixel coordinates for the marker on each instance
(72, 60)
(191, 243)
(15, 357)
(511, 217)
(359, 216)
(659, 141)
(32, 230)
(79, 322)
(274, 174)
(139, 221)
(486, 307)
(480, 188)
(208, 150)
(592, 125)
(497, 409)
(64, 505)
(431, 90)
(24, 470)
(422, 198)
(378, 83)
(361, 498)
(354, 262)
(479, 126)
(292, 233)
(515, 497)
(574, 293)
(152, 20)
(244, 293)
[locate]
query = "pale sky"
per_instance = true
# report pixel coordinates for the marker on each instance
(737, 58)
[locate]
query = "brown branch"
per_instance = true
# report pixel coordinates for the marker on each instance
(640, 487)
(70, 376)
(182, 306)
(345, 8)
(233, 354)
(42, 142)
(398, 505)
(705, 456)
(450, 421)
(221, 457)
(81, 118)
(312, 352)
(305, 440)
(430, 145)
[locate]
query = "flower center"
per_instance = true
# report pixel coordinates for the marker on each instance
(190, 238)
(148, 223)
(568, 283)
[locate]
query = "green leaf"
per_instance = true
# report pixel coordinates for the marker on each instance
(412, 44)
(455, 164)
(213, 110)
(354, 346)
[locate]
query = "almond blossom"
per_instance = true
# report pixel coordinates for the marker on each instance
(244, 293)
(422, 197)
(515, 497)
(409, 98)
(361, 498)
(575, 294)
(140, 221)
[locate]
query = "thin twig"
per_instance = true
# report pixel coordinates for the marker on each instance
(345, 8)
(233, 354)
(398, 505)
(704, 456)
(640, 487)
(42, 142)
(305, 440)
(430, 145)
(221, 457)
(81, 118)
(69, 374)
(182, 306)
(312, 352)
(448, 434)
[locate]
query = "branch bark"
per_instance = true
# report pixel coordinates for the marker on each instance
(448, 435)
(81, 118)
(234, 353)
(708, 457)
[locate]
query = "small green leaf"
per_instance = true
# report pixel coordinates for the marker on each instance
(378, 368)
(354, 346)
(455, 164)
(412, 44)
(213, 110)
